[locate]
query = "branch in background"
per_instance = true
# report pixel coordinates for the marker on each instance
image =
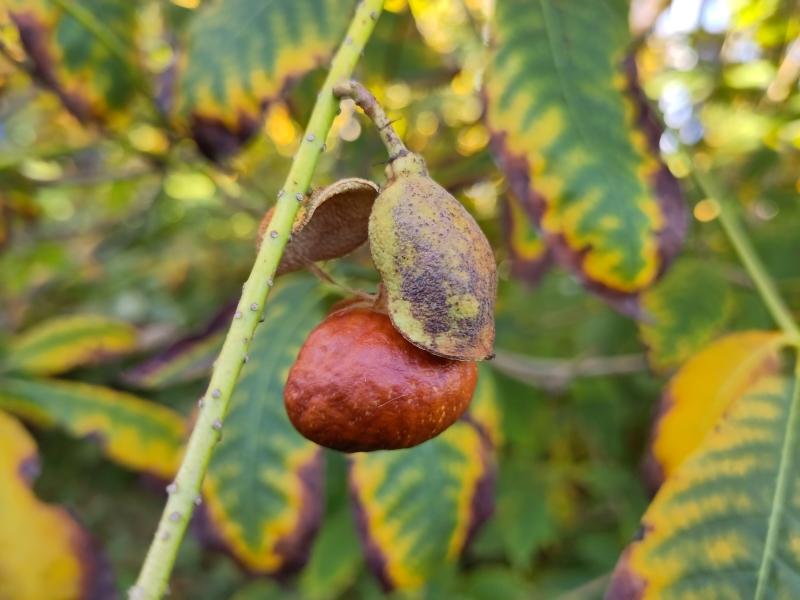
(184, 491)
(367, 102)
(554, 374)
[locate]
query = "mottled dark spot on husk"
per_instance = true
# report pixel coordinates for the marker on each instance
(452, 263)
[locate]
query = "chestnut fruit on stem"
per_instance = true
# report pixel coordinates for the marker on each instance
(358, 385)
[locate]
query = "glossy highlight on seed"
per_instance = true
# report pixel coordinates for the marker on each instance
(358, 385)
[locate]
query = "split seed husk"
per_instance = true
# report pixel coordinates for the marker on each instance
(332, 223)
(437, 266)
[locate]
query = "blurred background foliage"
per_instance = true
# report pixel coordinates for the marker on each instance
(116, 214)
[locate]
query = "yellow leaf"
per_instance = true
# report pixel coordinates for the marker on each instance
(133, 432)
(43, 551)
(703, 390)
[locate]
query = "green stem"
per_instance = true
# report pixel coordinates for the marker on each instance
(747, 254)
(782, 487)
(372, 108)
(184, 492)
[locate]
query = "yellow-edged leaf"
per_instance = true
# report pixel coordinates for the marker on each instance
(137, 434)
(484, 410)
(703, 390)
(44, 553)
(578, 141)
(63, 343)
(678, 320)
(530, 256)
(83, 50)
(417, 508)
(726, 524)
(240, 54)
(264, 491)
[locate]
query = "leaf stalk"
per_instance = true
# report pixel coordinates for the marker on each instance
(372, 108)
(744, 248)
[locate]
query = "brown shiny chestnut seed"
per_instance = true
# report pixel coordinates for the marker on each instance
(358, 385)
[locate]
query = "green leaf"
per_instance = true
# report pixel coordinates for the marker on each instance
(524, 514)
(240, 55)
(46, 554)
(678, 320)
(578, 141)
(418, 508)
(727, 523)
(335, 558)
(530, 256)
(83, 51)
(137, 434)
(263, 590)
(63, 343)
(263, 490)
(493, 582)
